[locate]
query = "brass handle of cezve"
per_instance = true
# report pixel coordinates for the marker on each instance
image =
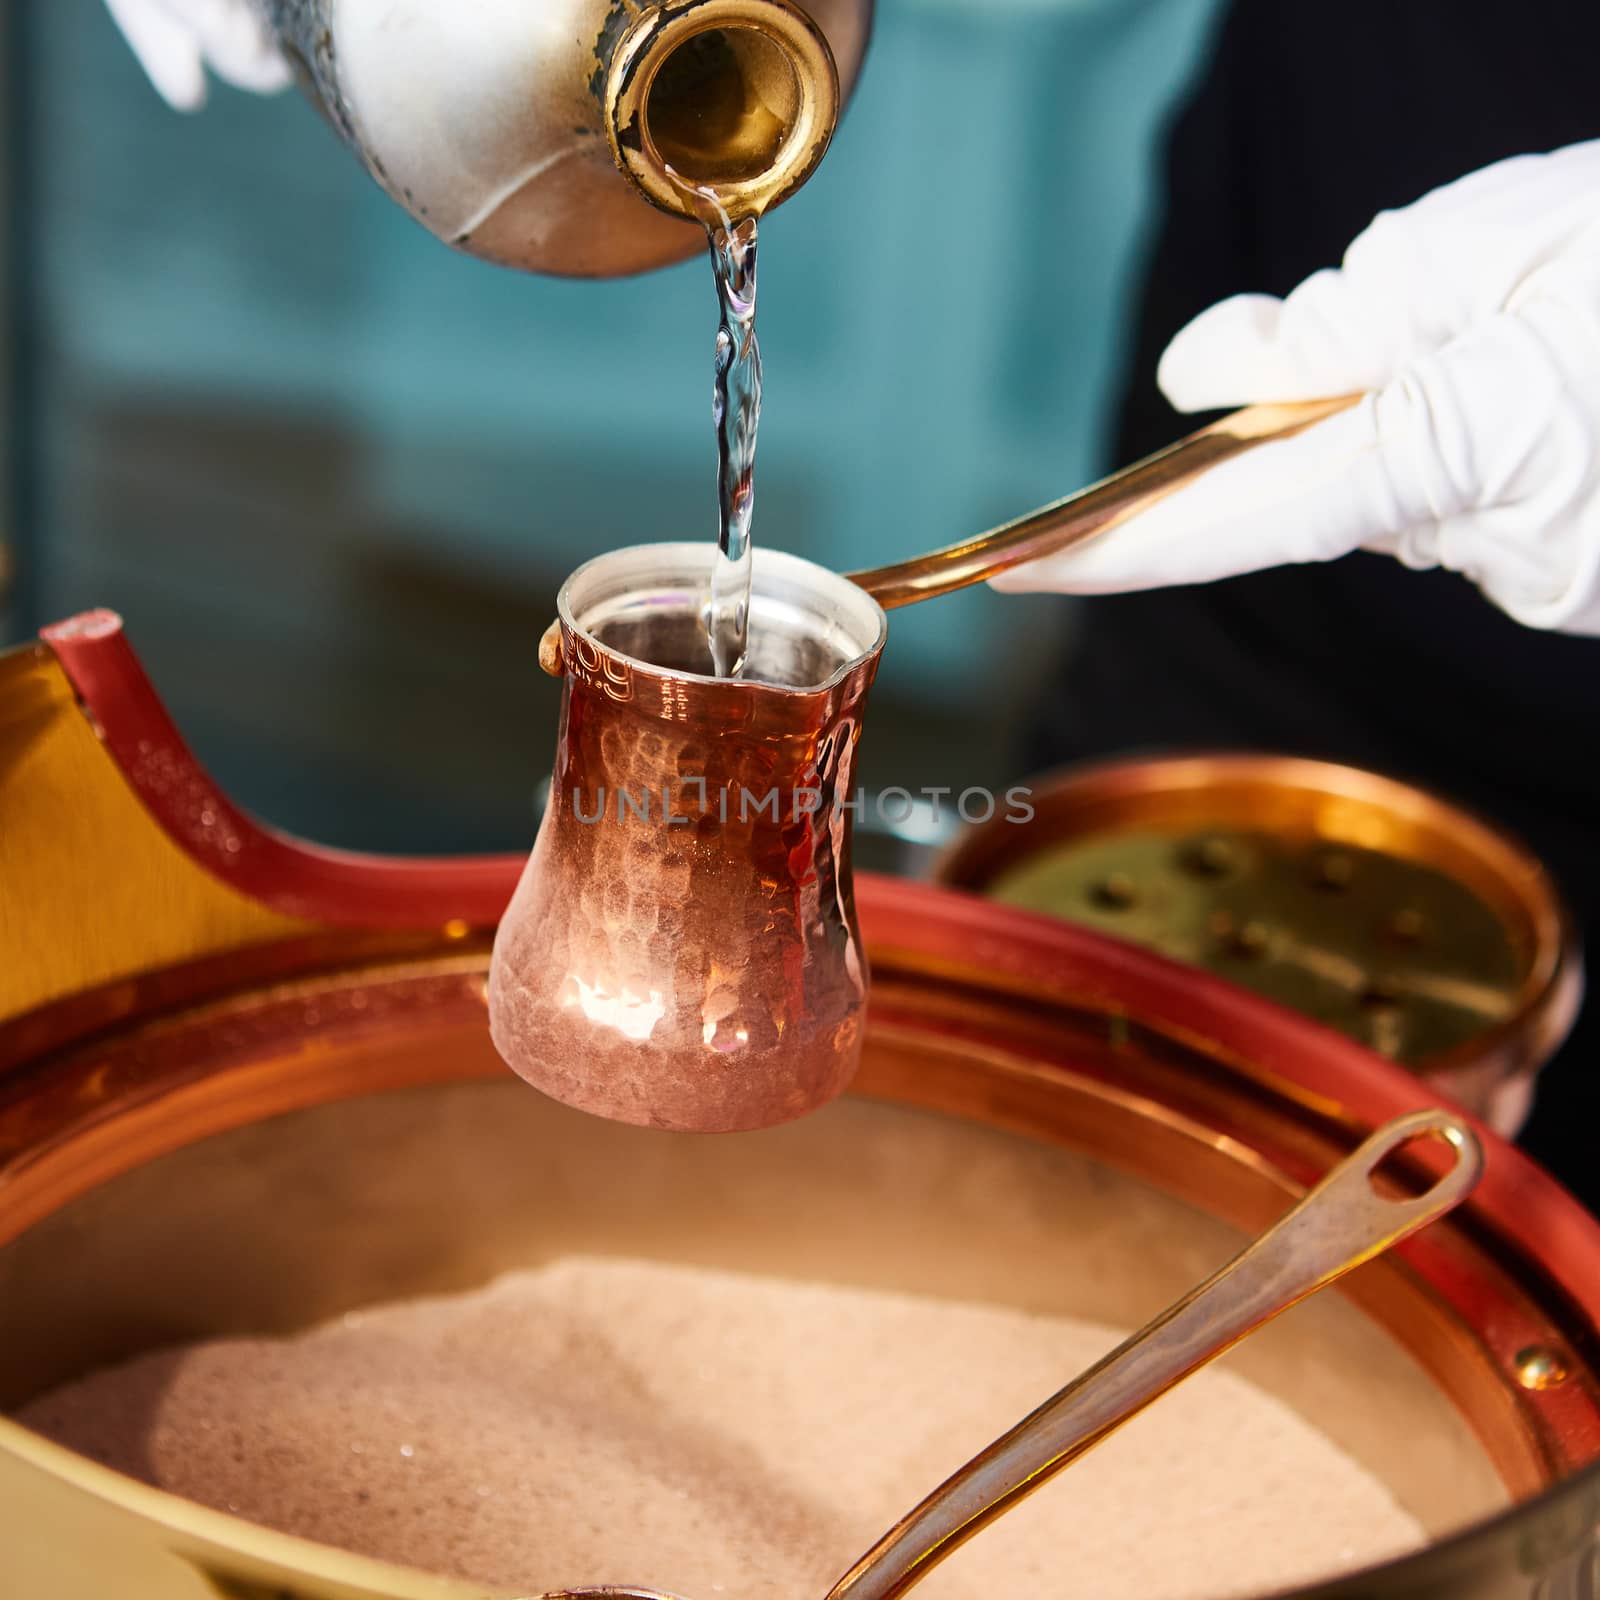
(1080, 516)
(1096, 509)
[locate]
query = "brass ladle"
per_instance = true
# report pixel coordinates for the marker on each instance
(1344, 1221)
(1080, 516)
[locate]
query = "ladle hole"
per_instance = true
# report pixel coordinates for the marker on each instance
(722, 105)
(1540, 1367)
(1417, 1165)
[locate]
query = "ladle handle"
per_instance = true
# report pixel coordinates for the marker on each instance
(1093, 510)
(1343, 1222)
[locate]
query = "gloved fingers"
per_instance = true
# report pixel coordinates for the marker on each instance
(167, 50)
(1326, 339)
(1309, 498)
(1409, 284)
(235, 42)
(1501, 480)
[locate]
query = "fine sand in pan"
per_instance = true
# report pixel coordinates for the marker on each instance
(613, 1421)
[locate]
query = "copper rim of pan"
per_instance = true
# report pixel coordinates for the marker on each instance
(981, 1012)
(1299, 798)
(131, 1098)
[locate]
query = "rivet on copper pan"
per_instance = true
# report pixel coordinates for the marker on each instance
(1335, 871)
(1380, 996)
(1540, 1367)
(1211, 858)
(1115, 892)
(455, 928)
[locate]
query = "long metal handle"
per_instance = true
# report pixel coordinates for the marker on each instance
(1093, 510)
(1343, 1222)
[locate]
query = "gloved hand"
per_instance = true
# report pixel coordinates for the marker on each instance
(176, 40)
(1472, 321)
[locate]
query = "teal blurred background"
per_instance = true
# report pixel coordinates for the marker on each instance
(331, 473)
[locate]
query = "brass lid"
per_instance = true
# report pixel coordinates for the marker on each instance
(1386, 913)
(721, 104)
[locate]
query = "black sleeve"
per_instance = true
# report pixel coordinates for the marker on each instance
(1310, 117)
(1200, 252)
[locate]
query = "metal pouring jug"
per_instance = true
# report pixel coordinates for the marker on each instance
(682, 949)
(532, 132)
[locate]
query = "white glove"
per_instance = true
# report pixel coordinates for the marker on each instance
(176, 40)
(1472, 321)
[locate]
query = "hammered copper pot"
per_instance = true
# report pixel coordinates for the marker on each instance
(246, 1085)
(682, 949)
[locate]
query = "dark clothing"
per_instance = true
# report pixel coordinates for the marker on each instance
(1310, 120)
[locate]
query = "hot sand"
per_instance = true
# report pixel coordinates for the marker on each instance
(605, 1421)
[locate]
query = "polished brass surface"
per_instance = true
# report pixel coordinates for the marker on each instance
(1341, 1224)
(1094, 510)
(720, 107)
(682, 950)
(1384, 912)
